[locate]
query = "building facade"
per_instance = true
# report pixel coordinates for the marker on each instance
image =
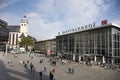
(4, 32)
(101, 44)
(17, 32)
(46, 46)
(14, 28)
(13, 40)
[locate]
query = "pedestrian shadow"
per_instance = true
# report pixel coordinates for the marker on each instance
(5, 74)
(69, 72)
(34, 75)
(11, 74)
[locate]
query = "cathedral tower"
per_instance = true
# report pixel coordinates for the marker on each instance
(24, 26)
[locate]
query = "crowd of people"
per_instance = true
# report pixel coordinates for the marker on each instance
(27, 64)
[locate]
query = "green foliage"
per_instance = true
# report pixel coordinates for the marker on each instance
(27, 41)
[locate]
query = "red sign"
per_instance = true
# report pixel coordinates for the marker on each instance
(103, 22)
(48, 52)
(2, 43)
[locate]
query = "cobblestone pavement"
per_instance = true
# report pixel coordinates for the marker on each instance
(15, 71)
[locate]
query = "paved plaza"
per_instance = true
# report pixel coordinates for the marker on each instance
(15, 71)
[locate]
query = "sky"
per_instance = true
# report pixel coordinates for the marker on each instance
(48, 17)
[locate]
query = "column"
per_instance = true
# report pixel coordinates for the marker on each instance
(11, 38)
(112, 61)
(15, 39)
(73, 57)
(103, 59)
(95, 59)
(6, 51)
(79, 58)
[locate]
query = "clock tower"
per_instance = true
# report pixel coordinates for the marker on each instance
(24, 26)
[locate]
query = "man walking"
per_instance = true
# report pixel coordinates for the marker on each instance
(45, 69)
(51, 76)
(40, 74)
(31, 66)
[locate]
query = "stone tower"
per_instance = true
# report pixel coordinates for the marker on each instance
(24, 26)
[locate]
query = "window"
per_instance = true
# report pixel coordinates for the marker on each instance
(21, 24)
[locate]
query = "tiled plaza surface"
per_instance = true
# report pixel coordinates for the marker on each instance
(16, 71)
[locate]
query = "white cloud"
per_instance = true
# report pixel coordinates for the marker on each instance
(12, 19)
(116, 21)
(52, 16)
(40, 29)
(5, 3)
(32, 14)
(71, 12)
(104, 4)
(99, 2)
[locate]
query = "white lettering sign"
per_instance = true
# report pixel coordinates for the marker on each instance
(89, 26)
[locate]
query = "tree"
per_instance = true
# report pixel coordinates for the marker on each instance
(27, 41)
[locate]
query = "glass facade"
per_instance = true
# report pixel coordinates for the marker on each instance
(99, 42)
(4, 33)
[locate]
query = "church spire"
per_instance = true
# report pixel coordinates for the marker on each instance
(24, 19)
(24, 25)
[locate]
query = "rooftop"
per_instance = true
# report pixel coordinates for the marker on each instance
(85, 28)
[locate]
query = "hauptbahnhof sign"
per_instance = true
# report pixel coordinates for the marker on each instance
(89, 26)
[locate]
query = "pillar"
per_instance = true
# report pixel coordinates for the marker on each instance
(11, 38)
(6, 51)
(15, 39)
(95, 58)
(103, 59)
(112, 61)
(79, 58)
(73, 57)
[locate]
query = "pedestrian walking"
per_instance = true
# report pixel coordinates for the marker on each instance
(15, 55)
(21, 62)
(45, 68)
(40, 75)
(69, 69)
(72, 70)
(53, 70)
(9, 61)
(25, 65)
(27, 61)
(31, 57)
(51, 76)
(31, 67)
(41, 60)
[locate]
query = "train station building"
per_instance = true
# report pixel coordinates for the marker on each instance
(97, 43)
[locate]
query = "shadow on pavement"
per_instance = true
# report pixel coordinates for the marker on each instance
(68, 72)
(10, 74)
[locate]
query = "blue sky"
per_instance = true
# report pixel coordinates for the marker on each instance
(48, 17)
